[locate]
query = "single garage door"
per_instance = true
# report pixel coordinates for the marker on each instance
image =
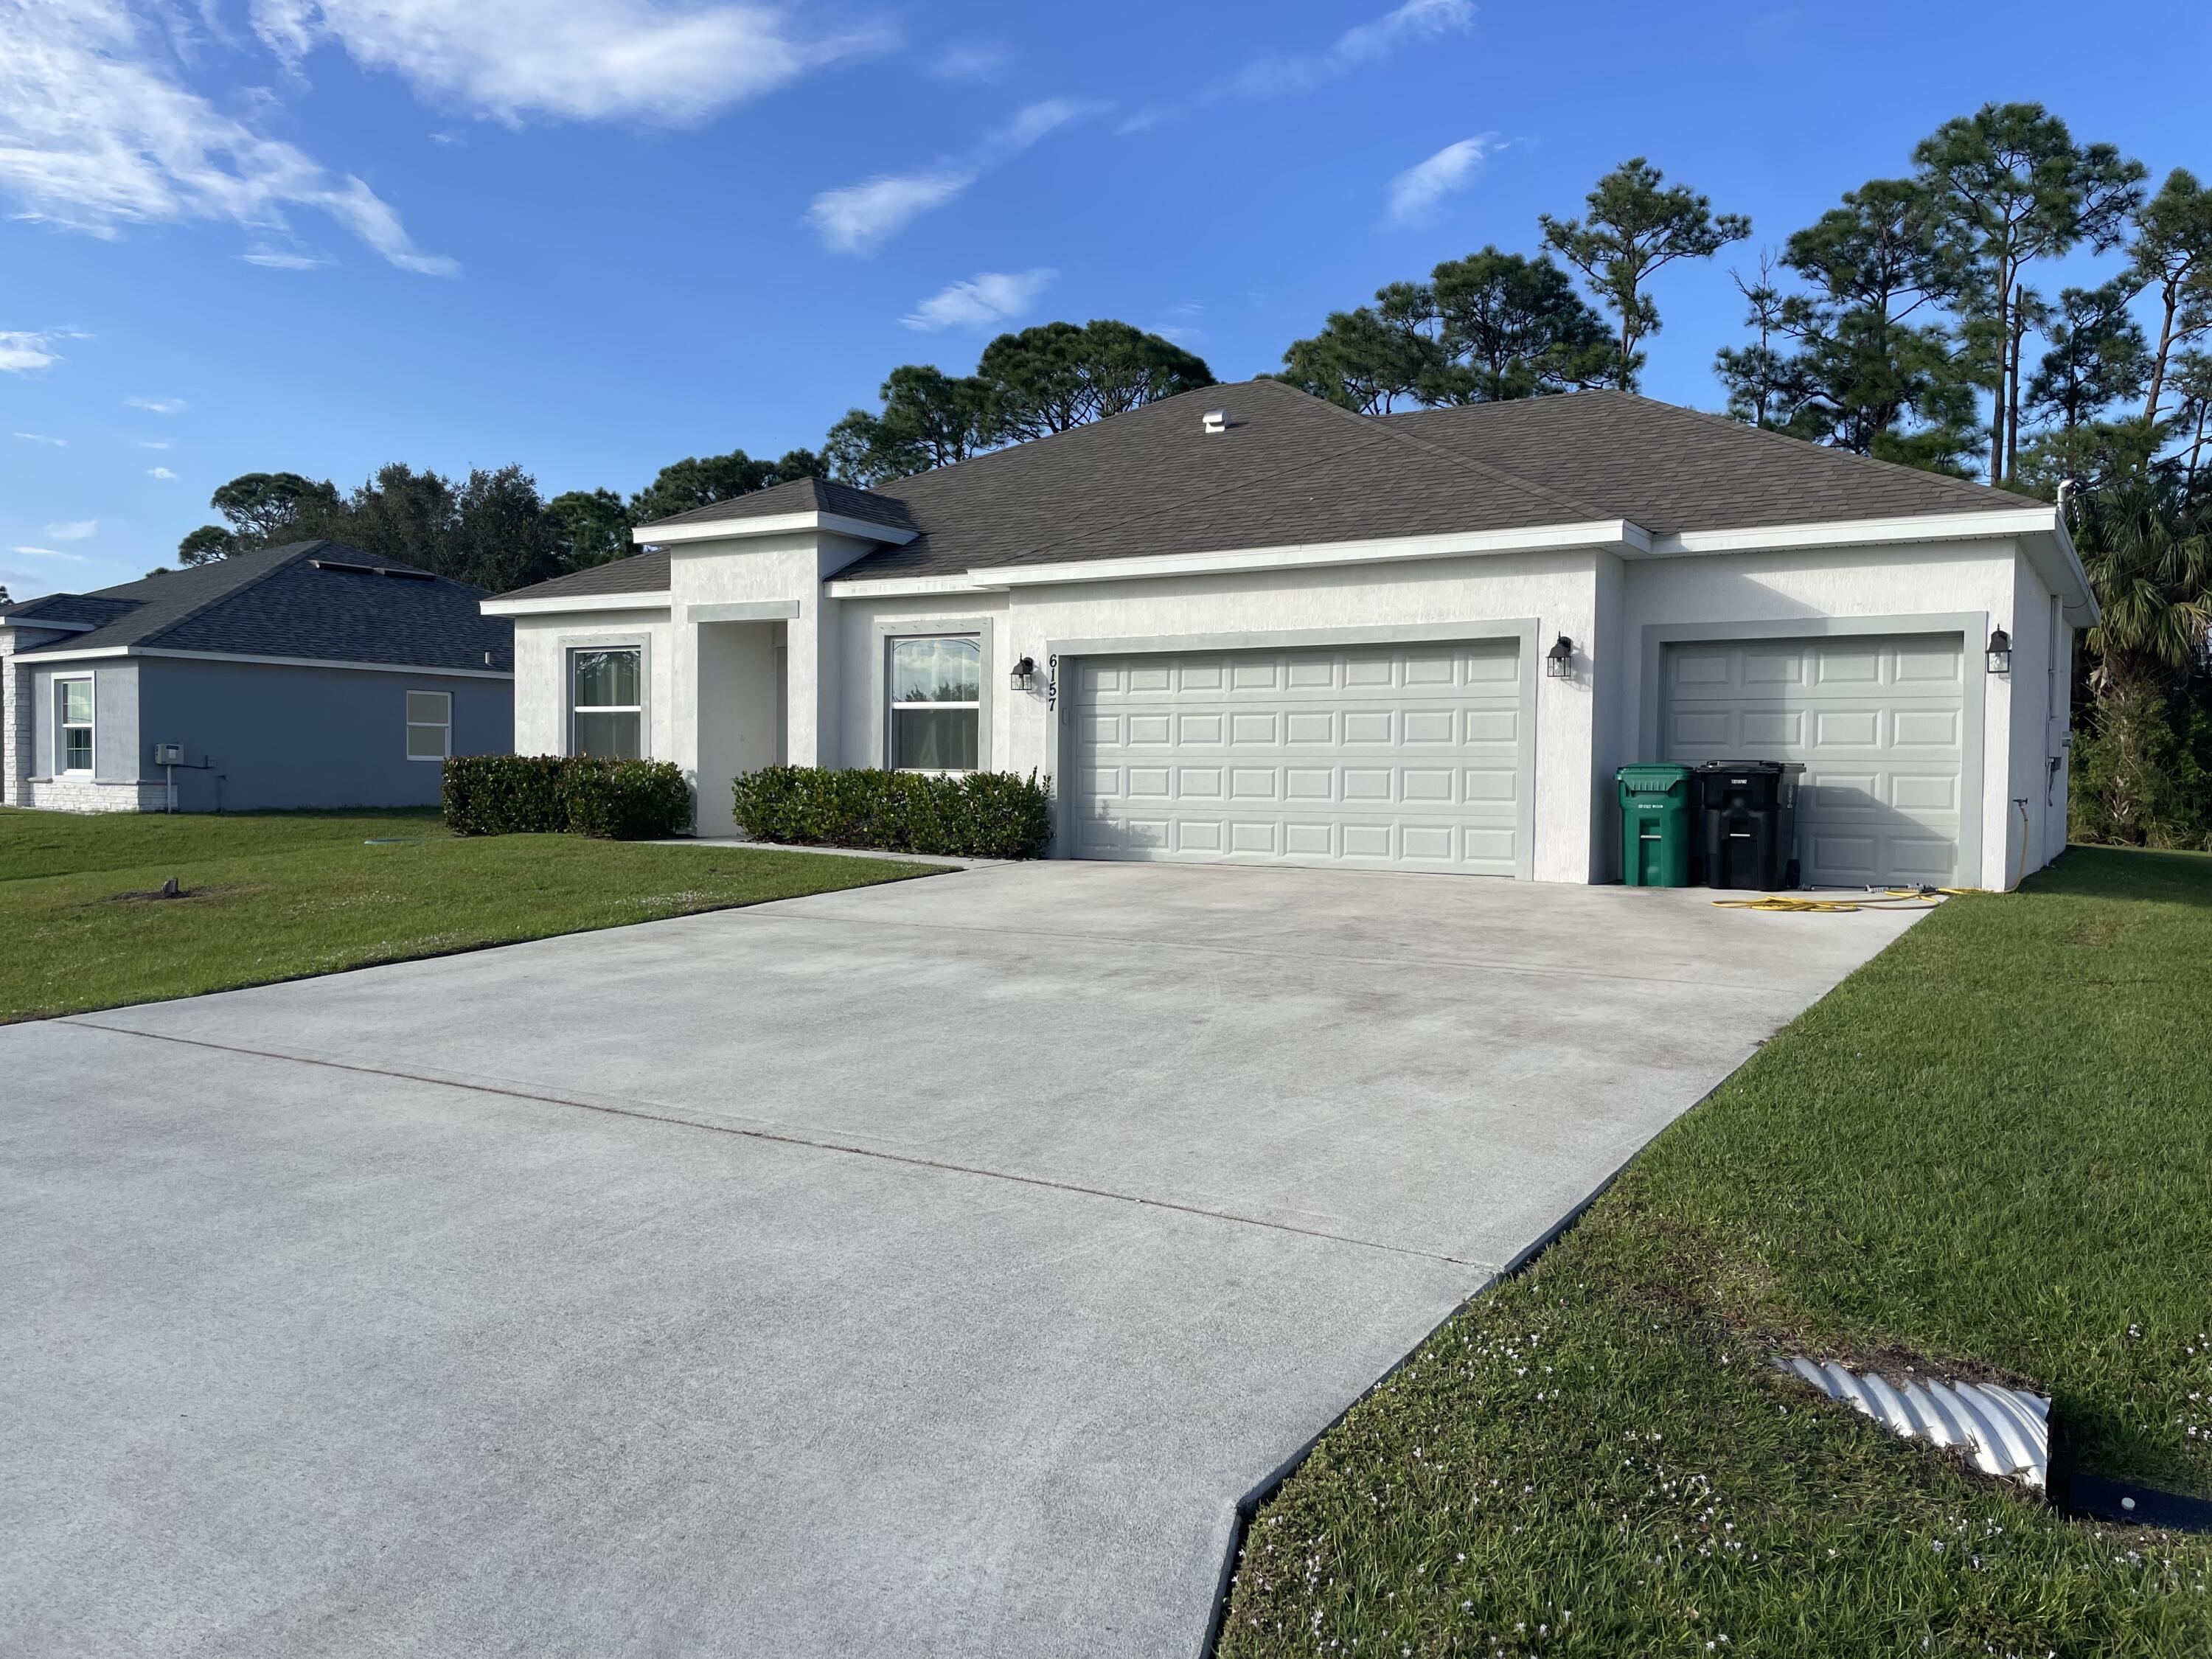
(1408, 756)
(1880, 723)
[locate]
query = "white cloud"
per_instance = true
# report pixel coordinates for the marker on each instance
(75, 530)
(99, 130)
(158, 405)
(22, 350)
(275, 259)
(159, 472)
(1416, 193)
(154, 443)
(41, 438)
(49, 553)
(860, 218)
(668, 62)
(969, 60)
(984, 301)
(1368, 43)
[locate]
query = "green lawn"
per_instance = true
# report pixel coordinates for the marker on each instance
(1988, 1152)
(277, 895)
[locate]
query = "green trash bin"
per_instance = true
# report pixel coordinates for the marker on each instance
(1655, 825)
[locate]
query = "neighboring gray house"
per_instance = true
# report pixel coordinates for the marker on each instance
(307, 675)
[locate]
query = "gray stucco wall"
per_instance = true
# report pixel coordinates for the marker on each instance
(257, 735)
(115, 749)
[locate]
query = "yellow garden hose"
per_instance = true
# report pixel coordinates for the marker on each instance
(1882, 898)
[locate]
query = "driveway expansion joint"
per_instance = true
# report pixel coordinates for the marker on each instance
(655, 1113)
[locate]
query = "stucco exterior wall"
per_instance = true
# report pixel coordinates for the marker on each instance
(1613, 609)
(1980, 581)
(541, 666)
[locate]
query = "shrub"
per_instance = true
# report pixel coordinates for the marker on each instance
(552, 794)
(989, 815)
(625, 801)
(504, 795)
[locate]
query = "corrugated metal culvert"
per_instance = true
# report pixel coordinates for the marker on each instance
(2006, 1431)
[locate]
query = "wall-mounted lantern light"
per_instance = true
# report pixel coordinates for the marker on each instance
(2000, 652)
(1024, 674)
(1559, 661)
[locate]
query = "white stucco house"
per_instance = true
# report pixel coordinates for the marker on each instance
(1245, 626)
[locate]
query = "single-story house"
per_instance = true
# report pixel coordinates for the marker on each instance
(307, 675)
(1245, 626)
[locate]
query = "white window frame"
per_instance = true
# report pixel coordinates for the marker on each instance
(444, 728)
(569, 653)
(891, 707)
(63, 725)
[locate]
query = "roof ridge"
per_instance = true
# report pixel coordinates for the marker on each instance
(1847, 456)
(1402, 435)
(299, 551)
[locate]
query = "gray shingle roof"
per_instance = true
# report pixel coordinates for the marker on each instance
(801, 496)
(275, 602)
(640, 572)
(1292, 469)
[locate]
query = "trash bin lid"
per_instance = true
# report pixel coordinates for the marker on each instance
(1748, 768)
(1656, 777)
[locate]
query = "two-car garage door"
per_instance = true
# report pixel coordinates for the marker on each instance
(1878, 723)
(1407, 757)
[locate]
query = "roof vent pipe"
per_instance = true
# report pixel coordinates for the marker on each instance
(1215, 420)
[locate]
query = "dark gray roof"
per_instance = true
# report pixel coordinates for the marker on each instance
(640, 572)
(1291, 468)
(801, 496)
(1671, 470)
(279, 602)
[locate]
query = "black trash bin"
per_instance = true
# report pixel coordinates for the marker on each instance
(1747, 829)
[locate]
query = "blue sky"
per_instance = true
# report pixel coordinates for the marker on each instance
(593, 236)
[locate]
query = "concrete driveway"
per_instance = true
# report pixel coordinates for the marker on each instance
(928, 1269)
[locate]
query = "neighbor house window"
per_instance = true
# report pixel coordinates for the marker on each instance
(430, 725)
(73, 725)
(606, 703)
(936, 704)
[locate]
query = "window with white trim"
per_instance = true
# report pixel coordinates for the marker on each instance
(606, 702)
(430, 725)
(936, 694)
(73, 725)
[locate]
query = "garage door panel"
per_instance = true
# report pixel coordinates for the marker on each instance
(1311, 757)
(1878, 724)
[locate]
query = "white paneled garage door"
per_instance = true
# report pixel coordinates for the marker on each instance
(1408, 756)
(1880, 723)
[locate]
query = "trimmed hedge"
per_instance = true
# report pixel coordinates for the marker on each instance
(573, 794)
(982, 815)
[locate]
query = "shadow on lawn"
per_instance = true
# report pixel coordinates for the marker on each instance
(2127, 874)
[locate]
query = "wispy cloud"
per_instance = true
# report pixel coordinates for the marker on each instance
(669, 62)
(159, 472)
(22, 350)
(155, 443)
(860, 218)
(1184, 329)
(1278, 76)
(75, 530)
(41, 438)
(984, 301)
(275, 259)
(49, 553)
(1417, 193)
(969, 60)
(99, 131)
(157, 405)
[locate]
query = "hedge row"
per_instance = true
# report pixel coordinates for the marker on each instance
(987, 815)
(554, 794)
